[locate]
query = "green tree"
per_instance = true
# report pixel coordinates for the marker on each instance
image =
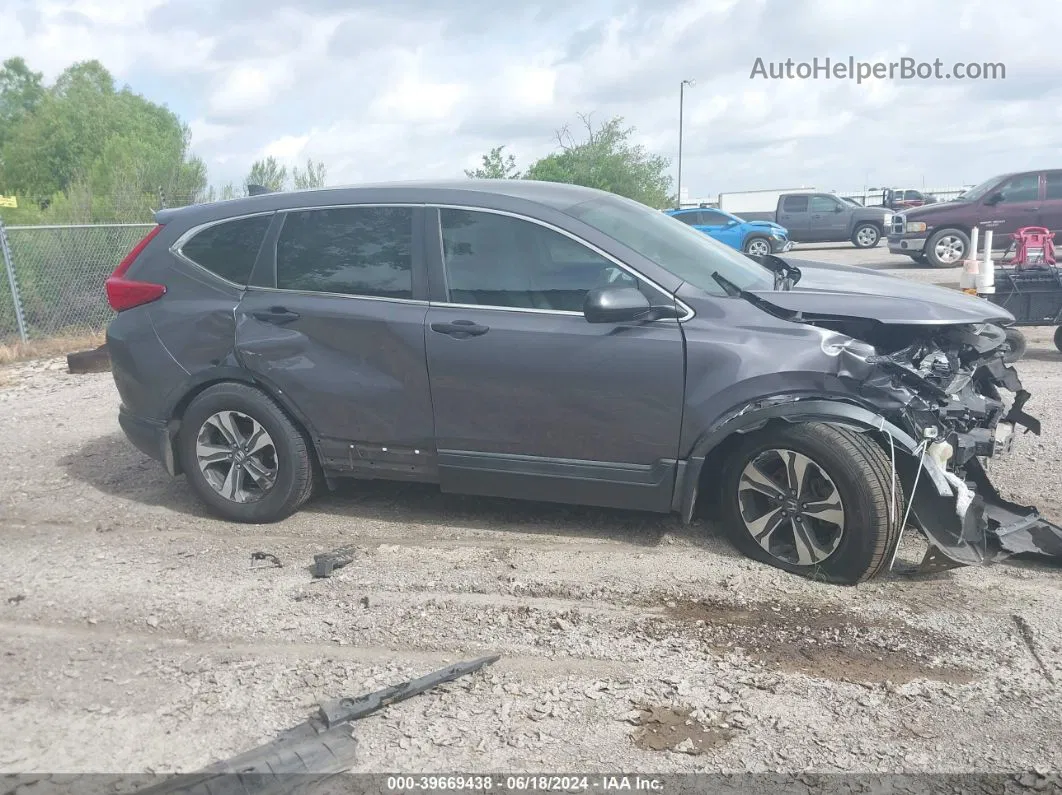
(607, 160)
(496, 165)
(312, 177)
(267, 173)
(21, 91)
(88, 151)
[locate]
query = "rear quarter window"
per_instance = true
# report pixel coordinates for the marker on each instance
(230, 248)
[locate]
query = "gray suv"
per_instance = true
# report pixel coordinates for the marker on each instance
(550, 342)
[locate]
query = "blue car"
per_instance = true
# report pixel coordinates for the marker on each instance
(755, 238)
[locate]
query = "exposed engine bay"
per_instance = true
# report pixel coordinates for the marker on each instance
(945, 385)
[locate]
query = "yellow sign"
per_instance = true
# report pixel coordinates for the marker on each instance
(8, 201)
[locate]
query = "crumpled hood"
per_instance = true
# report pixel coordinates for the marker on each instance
(765, 225)
(845, 291)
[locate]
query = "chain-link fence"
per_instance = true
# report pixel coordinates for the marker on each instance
(58, 275)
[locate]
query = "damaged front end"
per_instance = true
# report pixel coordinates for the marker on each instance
(944, 385)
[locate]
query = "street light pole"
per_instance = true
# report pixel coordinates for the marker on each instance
(682, 98)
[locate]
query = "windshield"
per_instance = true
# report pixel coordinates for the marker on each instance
(973, 194)
(671, 244)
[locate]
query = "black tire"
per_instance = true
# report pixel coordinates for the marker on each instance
(1016, 345)
(757, 241)
(942, 238)
(1058, 338)
(866, 235)
(860, 471)
(295, 471)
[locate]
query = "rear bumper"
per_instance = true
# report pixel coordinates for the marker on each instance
(151, 437)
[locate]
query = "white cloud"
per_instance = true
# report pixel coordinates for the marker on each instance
(287, 148)
(418, 88)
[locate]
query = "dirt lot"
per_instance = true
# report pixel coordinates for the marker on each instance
(136, 635)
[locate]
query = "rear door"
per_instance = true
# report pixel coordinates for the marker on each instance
(1051, 206)
(793, 215)
(531, 400)
(338, 329)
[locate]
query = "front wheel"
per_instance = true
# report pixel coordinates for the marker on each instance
(757, 247)
(811, 499)
(243, 456)
(1058, 338)
(866, 236)
(947, 248)
(1015, 346)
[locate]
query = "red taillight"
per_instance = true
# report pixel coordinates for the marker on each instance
(123, 293)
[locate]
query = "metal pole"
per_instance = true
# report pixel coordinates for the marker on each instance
(16, 298)
(682, 92)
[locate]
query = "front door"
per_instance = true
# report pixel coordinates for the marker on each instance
(531, 400)
(1018, 206)
(340, 334)
(722, 227)
(829, 218)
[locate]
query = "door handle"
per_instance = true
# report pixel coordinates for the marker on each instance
(277, 315)
(460, 329)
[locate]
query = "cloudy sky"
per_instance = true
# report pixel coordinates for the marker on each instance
(399, 89)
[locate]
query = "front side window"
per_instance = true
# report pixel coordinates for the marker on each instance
(1025, 188)
(359, 251)
(1054, 185)
(823, 204)
(715, 219)
(498, 260)
(229, 249)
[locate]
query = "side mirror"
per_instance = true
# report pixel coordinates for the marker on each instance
(733, 222)
(615, 304)
(838, 208)
(994, 198)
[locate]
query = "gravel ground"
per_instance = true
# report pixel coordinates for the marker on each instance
(137, 636)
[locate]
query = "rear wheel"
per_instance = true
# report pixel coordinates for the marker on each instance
(1015, 346)
(243, 456)
(1058, 338)
(812, 499)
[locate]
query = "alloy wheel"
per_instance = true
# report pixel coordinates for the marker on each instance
(867, 236)
(758, 248)
(237, 456)
(791, 507)
(949, 249)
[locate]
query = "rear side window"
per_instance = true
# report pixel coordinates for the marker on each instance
(795, 204)
(359, 251)
(1054, 185)
(229, 249)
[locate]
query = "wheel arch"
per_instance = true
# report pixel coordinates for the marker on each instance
(712, 447)
(189, 391)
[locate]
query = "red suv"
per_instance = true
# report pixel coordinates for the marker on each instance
(939, 234)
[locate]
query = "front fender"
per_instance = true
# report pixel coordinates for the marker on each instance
(796, 410)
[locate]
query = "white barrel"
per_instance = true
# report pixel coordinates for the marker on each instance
(974, 240)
